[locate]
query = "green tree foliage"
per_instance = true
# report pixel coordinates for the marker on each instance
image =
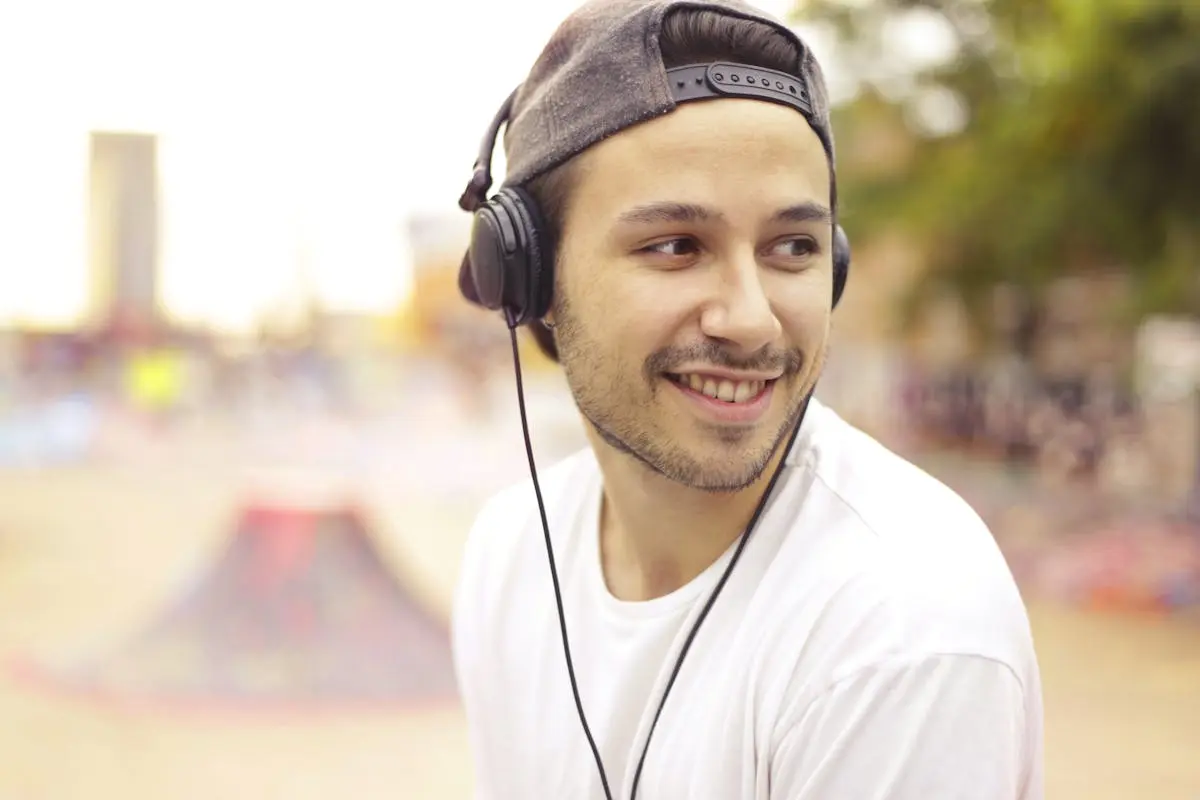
(1080, 148)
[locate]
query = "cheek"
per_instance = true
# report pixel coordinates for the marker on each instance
(652, 322)
(805, 315)
(637, 314)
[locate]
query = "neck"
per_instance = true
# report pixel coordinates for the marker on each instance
(657, 535)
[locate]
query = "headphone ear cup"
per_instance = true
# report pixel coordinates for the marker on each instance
(481, 278)
(540, 251)
(505, 267)
(841, 262)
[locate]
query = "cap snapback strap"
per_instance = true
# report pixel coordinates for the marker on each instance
(723, 79)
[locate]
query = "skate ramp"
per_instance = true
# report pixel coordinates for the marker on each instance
(299, 608)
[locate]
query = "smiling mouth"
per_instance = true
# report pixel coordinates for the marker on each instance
(726, 391)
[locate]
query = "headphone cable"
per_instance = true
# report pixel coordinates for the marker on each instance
(562, 621)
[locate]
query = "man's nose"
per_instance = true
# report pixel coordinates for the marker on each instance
(741, 313)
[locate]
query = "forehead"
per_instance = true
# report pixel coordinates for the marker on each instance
(731, 154)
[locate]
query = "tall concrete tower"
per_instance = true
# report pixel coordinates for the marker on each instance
(123, 229)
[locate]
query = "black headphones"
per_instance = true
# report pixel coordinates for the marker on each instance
(509, 265)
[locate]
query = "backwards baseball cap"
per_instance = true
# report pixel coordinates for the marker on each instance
(602, 71)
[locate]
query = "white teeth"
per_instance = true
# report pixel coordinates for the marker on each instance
(727, 391)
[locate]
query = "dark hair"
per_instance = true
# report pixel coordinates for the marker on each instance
(688, 36)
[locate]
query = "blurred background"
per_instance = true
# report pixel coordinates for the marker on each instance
(246, 420)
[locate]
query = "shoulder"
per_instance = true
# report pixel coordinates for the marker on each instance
(900, 503)
(508, 525)
(917, 572)
(503, 515)
(915, 609)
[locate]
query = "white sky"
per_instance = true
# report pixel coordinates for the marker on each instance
(313, 125)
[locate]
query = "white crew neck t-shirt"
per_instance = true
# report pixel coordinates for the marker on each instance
(870, 644)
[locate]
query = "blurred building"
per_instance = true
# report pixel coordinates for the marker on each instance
(123, 233)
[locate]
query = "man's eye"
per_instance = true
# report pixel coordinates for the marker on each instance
(673, 247)
(801, 247)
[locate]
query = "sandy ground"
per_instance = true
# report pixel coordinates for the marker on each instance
(88, 555)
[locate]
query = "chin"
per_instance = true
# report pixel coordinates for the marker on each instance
(726, 479)
(714, 462)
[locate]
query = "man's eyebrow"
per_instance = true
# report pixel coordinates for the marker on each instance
(667, 212)
(805, 212)
(652, 213)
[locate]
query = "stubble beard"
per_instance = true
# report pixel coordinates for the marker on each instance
(611, 410)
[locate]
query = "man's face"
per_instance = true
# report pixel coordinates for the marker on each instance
(694, 287)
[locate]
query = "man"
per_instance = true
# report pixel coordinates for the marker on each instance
(870, 642)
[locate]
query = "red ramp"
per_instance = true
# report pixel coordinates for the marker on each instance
(299, 609)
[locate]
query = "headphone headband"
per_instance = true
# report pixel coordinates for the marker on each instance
(481, 178)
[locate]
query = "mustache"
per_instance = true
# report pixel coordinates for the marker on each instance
(669, 359)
